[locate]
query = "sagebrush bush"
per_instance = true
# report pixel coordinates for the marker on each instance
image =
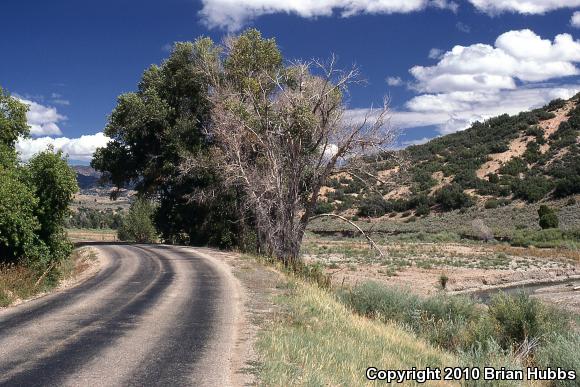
(488, 354)
(439, 319)
(520, 317)
(458, 323)
(561, 350)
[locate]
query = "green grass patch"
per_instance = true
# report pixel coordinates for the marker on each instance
(317, 341)
(550, 238)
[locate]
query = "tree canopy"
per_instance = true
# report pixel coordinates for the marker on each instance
(34, 197)
(234, 143)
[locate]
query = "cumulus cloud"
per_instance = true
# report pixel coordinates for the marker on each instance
(575, 19)
(494, 7)
(455, 111)
(517, 55)
(43, 120)
(234, 14)
(481, 81)
(394, 81)
(451, 112)
(80, 149)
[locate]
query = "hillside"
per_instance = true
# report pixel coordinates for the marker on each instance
(530, 157)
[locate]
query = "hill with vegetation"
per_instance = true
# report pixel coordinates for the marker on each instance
(526, 158)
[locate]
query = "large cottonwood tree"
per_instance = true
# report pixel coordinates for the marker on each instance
(279, 130)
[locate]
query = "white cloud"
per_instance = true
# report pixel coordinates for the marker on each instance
(419, 141)
(494, 7)
(81, 148)
(59, 100)
(575, 19)
(451, 112)
(435, 53)
(517, 55)
(455, 111)
(463, 27)
(43, 120)
(234, 14)
(481, 81)
(394, 81)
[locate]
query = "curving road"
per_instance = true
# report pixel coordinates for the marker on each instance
(151, 316)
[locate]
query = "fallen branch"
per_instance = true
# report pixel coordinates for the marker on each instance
(371, 242)
(44, 274)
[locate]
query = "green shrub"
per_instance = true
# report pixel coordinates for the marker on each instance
(520, 317)
(439, 319)
(548, 217)
(323, 208)
(443, 279)
(18, 223)
(567, 186)
(488, 353)
(491, 203)
(137, 225)
(452, 197)
(514, 167)
(423, 209)
(373, 206)
(531, 189)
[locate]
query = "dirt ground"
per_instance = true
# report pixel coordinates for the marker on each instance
(467, 267)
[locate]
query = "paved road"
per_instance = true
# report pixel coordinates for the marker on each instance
(151, 316)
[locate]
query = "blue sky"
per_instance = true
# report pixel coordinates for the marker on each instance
(69, 60)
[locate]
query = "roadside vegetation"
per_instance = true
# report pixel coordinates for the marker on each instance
(318, 341)
(137, 225)
(34, 202)
(329, 335)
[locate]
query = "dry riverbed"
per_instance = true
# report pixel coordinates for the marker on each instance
(468, 267)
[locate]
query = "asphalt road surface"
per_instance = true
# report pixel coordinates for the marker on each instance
(151, 316)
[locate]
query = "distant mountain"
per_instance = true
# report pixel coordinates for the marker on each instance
(87, 177)
(529, 157)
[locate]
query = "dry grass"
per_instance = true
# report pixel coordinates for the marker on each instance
(317, 341)
(18, 282)
(99, 235)
(558, 254)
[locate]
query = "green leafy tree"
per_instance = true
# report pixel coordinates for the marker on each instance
(154, 130)
(12, 119)
(34, 197)
(54, 184)
(18, 223)
(137, 225)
